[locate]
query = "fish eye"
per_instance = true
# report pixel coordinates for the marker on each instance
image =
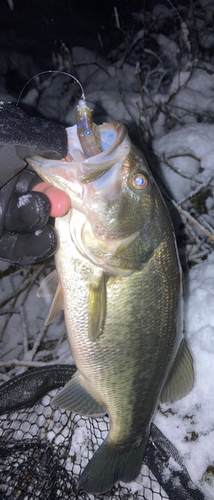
(139, 181)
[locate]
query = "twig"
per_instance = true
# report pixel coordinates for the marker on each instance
(199, 255)
(130, 46)
(92, 63)
(156, 90)
(191, 219)
(100, 40)
(9, 311)
(31, 353)
(198, 242)
(11, 4)
(190, 111)
(13, 295)
(175, 9)
(8, 352)
(117, 18)
(144, 118)
(181, 155)
(24, 329)
(206, 224)
(123, 99)
(17, 362)
(151, 72)
(170, 114)
(152, 53)
(175, 169)
(196, 190)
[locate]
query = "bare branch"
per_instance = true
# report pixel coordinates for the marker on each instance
(196, 190)
(193, 220)
(33, 364)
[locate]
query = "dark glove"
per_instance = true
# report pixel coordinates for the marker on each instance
(25, 235)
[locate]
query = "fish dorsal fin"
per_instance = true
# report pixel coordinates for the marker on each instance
(48, 286)
(75, 397)
(181, 376)
(56, 306)
(96, 304)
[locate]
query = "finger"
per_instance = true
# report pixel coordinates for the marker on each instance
(60, 201)
(5, 196)
(26, 249)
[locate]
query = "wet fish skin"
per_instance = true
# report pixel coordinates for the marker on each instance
(120, 277)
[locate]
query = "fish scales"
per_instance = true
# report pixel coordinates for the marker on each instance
(128, 314)
(119, 272)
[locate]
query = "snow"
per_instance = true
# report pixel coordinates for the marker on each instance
(190, 426)
(24, 200)
(172, 465)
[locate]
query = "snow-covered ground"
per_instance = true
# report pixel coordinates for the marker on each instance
(189, 423)
(176, 119)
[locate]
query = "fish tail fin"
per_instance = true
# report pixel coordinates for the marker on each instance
(109, 465)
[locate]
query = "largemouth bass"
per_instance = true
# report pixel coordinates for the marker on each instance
(119, 283)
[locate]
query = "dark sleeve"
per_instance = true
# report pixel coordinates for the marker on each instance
(22, 135)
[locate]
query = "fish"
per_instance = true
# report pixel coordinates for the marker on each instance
(119, 281)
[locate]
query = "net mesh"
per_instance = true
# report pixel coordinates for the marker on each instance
(43, 449)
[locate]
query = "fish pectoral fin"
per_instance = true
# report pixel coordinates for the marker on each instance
(97, 305)
(51, 287)
(75, 397)
(181, 376)
(48, 286)
(56, 306)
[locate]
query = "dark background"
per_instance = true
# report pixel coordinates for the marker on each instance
(34, 25)
(34, 28)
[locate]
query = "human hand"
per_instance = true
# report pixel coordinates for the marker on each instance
(60, 201)
(25, 235)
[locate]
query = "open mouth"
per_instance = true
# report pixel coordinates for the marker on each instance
(75, 172)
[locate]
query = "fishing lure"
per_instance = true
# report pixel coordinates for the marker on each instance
(88, 133)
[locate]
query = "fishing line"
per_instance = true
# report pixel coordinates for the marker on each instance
(52, 71)
(88, 133)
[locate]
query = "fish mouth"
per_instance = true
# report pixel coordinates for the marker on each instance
(115, 145)
(85, 179)
(75, 172)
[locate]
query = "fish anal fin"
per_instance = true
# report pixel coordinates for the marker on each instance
(75, 397)
(56, 306)
(180, 380)
(96, 305)
(48, 286)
